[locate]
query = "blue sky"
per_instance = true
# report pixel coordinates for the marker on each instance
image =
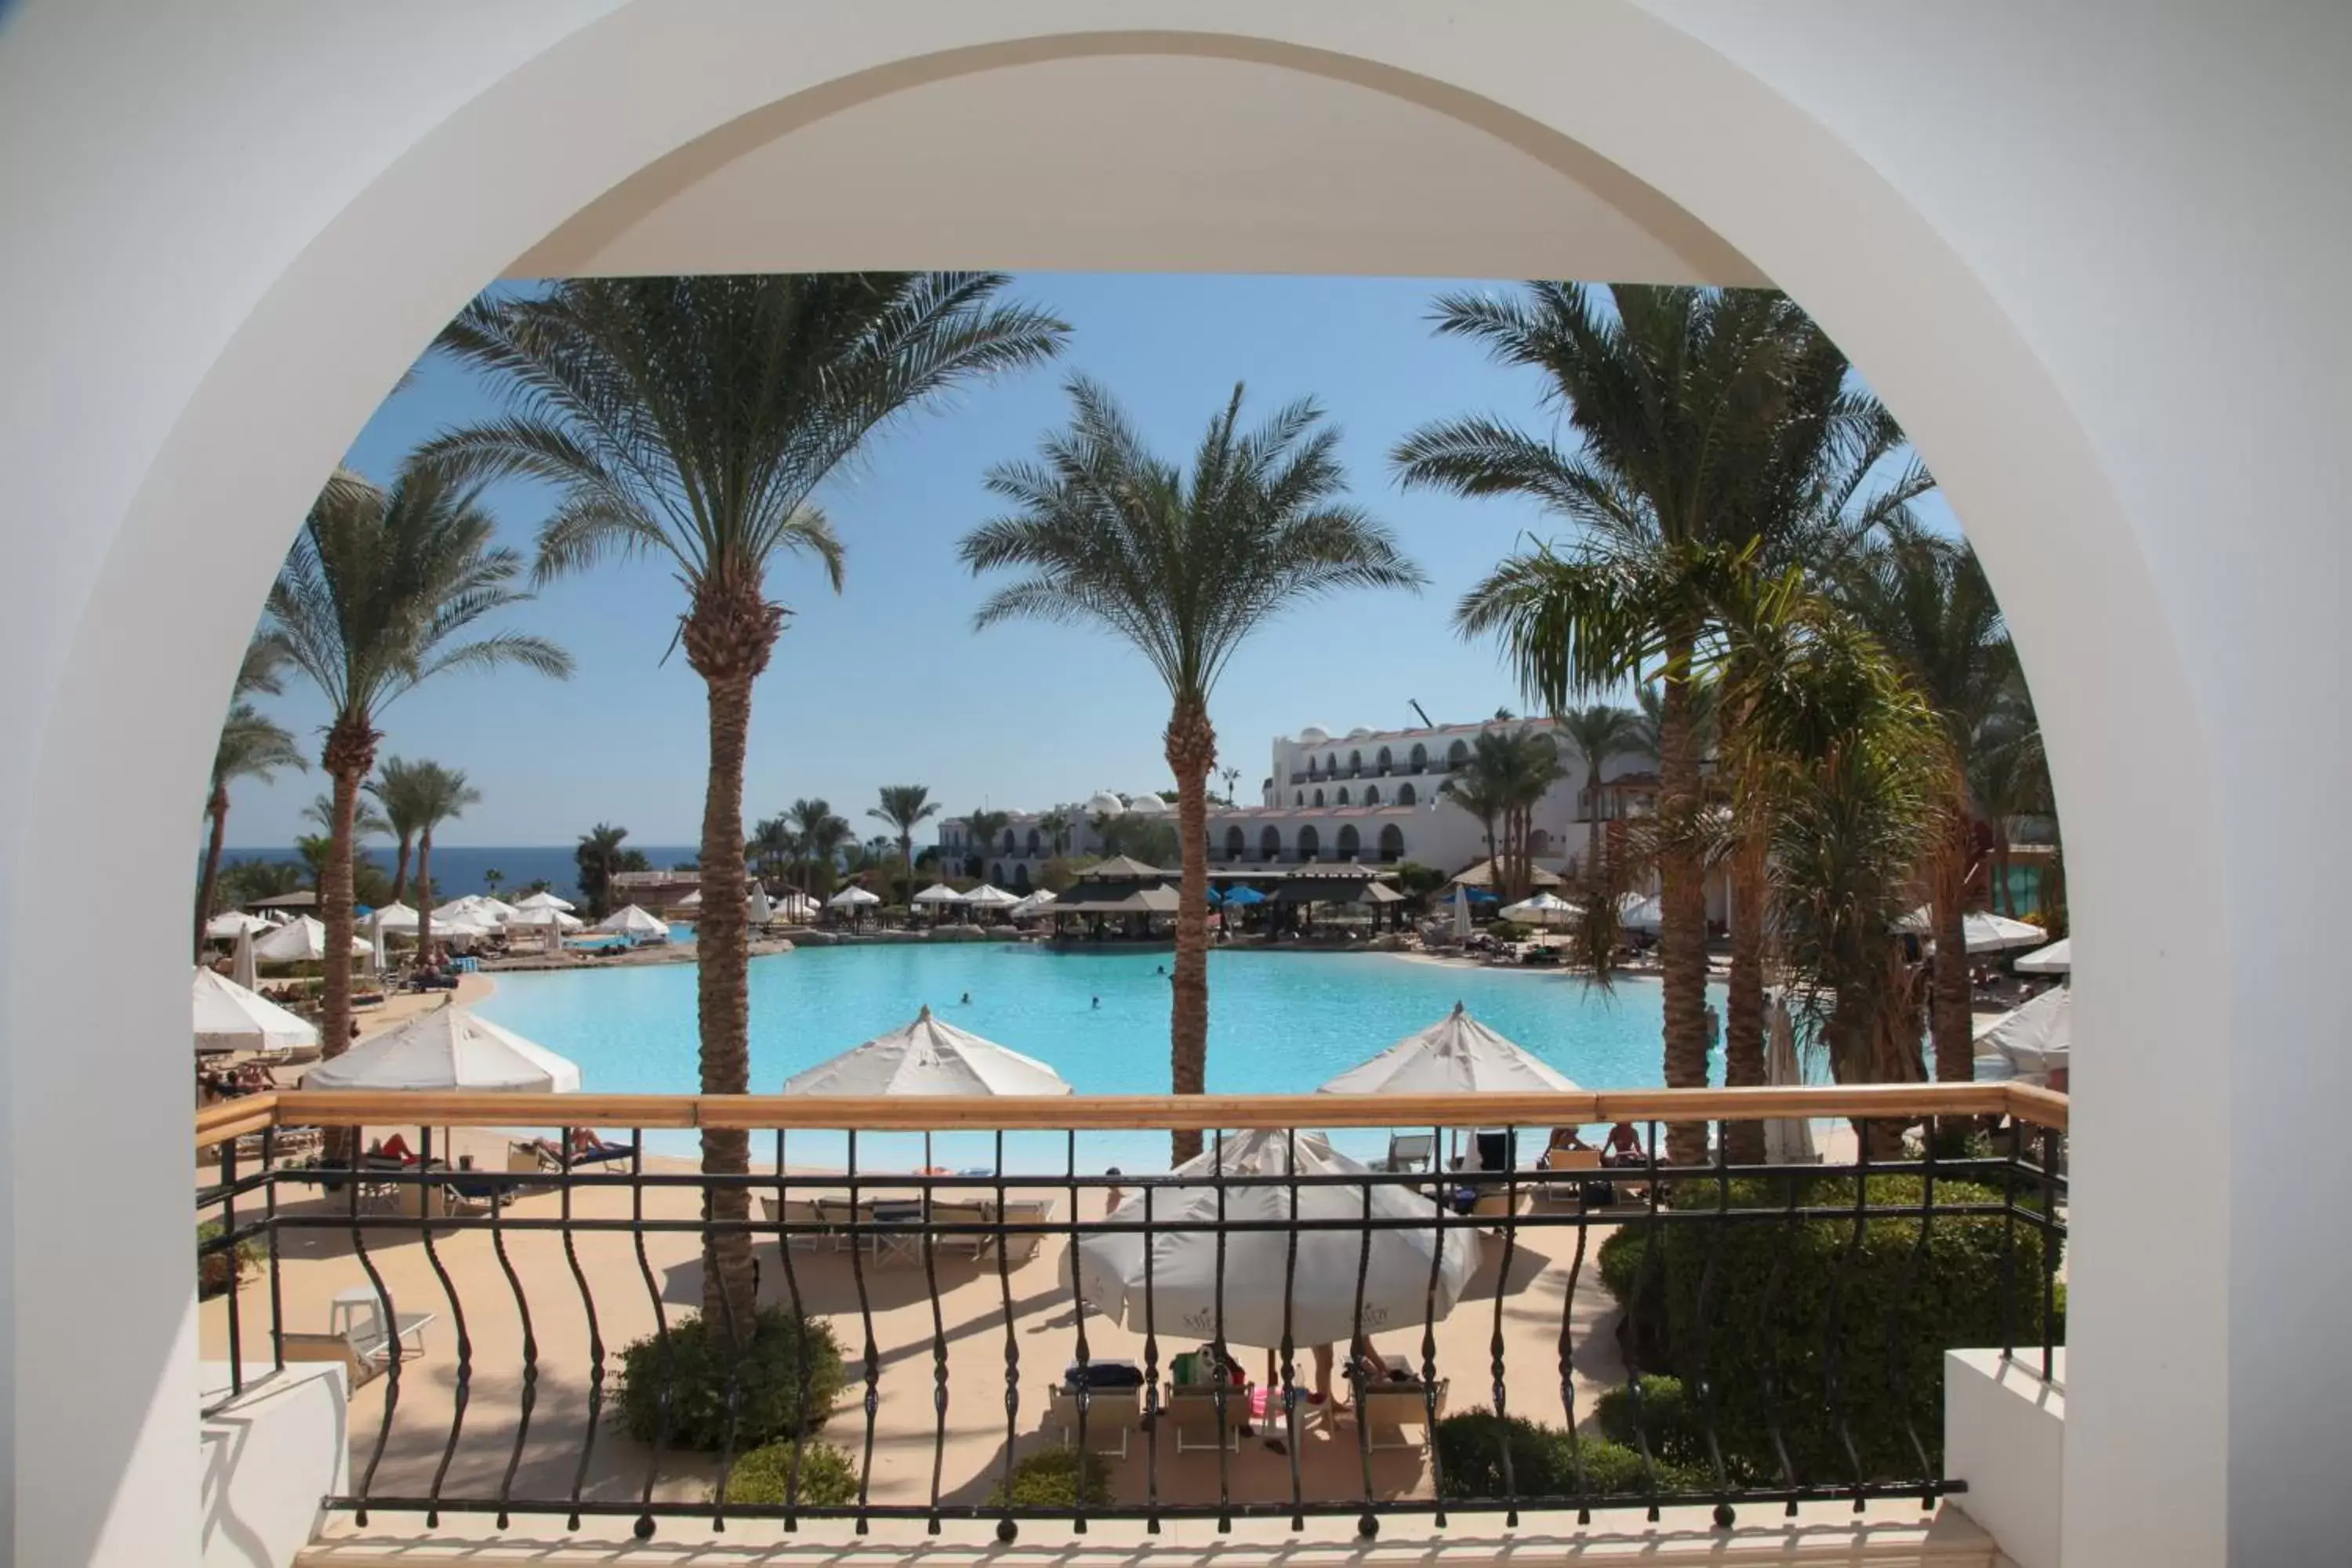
(887, 683)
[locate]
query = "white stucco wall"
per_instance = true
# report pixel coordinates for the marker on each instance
(2088, 253)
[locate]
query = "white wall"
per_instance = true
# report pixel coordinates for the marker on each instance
(2089, 253)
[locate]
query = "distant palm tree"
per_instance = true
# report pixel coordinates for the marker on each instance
(1483, 799)
(1056, 825)
(367, 822)
(401, 788)
(1597, 732)
(491, 878)
(821, 836)
(443, 794)
(770, 845)
(1184, 567)
(251, 746)
(377, 597)
(984, 826)
(904, 807)
(597, 855)
(694, 418)
(1510, 770)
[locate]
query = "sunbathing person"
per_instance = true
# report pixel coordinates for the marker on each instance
(1624, 1146)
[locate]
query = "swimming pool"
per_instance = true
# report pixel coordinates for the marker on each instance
(1279, 1023)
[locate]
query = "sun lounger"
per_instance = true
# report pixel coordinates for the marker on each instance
(1111, 1415)
(1410, 1151)
(1192, 1410)
(958, 1212)
(1387, 1406)
(1021, 1246)
(799, 1212)
(363, 1347)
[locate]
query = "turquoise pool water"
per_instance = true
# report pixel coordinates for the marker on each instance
(1279, 1023)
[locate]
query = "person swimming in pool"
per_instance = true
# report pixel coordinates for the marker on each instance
(967, 999)
(1098, 1003)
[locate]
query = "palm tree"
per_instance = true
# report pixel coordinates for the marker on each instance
(377, 597)
(251, 746)
(984, 826)
(597, 855)
(771, 844)
(694, 418)
(1597, 732)
(821, 836)
(1056, 825)
(442, 793)
(1671, 393)
(1927, 601)
(367, 822)
(491, 878)
(904, 808)
(401, 788)
(1482, 799)
(1184, 567)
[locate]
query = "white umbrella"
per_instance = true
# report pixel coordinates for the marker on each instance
(543, 900)
(796, 906)
(231, 1017)
(375, 946)
(2058, 958)
(1544, 908)
(299, 940)
(395, 918)
(1788, 1139)
(1183, 1300)
(1639, 912)
(234, 924)
(851, 899)
(447, 1049)
(757, 908)
(938, 893)
(693, 900)
(1986, 932)
(1461, 912)
(2035, 1039)
(634, 921)
(243, 969)
(1034, 903)
(989, 896)
(1456, 1054)
(928, 1056)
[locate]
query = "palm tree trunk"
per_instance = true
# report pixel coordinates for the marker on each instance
(1948, 1012)
(723, 1004)
(1681, 904)
(424, 895)
(217, 810)
(1592, 833)
(1743, 1012)
(349, 753)
(400, 869)
(1191, 748)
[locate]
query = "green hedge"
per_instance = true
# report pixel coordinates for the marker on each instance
(1895, 1318)
(1544, 1463)
(213, 1269)
(828, 1477)
(694, 1371)
(1050, 1478)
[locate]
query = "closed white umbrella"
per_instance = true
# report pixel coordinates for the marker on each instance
(1985, 931)
(243, 969)
(796, 906)
(634, 921)
(1108, 1270)
(1461, 912)
(757, 908)
(693, 900)
(1544, 908)
(231, 1017)
(1788, 1139)
(2034, 1040)
(1456, 1054)
(448, 1048)
(543, 900)
(1034, 904)
(2058, 958)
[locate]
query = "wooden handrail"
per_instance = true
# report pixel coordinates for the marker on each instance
(1125, 1113)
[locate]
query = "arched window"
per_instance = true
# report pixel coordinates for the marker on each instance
(1355, 764)
(1456, 755)
(1385, 760)
(1331, 764)
(1405, 796)
(1318, 797)
(996, 873)
(1539, 842)
(1020, 879)
(1011, 845)
(1391, 842)
(1236, 843)
(1310, 770)
(1037, 844)
(1419, 756)
(1269, 845)
(1371, 795)
(1298, 797)
(1343, 794)
(1352, 844)
(1310, 841)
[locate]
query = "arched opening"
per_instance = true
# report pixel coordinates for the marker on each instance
(1237, 843)
(1036, 844)
(1269, 845)
(1456, 755)
(1020, 883)
(1371, 795)
(1407, 794)
(1420, 757)
(1310, 841)
(996, 873)
(1311, 775)
(1350, 842)
(1318, 797)
(1012, 845)
(1384, 760)
(1392, 843)
(1298, 797)
(1355, 764)
(1540, 841)
(1341, 798)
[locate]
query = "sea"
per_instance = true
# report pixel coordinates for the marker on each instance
(458, 869)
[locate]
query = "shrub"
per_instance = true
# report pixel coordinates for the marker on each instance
(1670, 1422)
(692, 1369)
(1770, 1290)
(1050, 1478)
(216, 1270)
(1544, 1463)
(828, 1477)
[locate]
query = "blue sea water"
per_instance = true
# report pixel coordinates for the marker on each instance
(458, 867)
(1279, 1023)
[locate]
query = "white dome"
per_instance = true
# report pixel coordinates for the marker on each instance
(1313, 735)
(1105, 803)
(1359, 733)
(1146, 804)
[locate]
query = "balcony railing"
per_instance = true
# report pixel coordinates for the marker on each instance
(537, 1364)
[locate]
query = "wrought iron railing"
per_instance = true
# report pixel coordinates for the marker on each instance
(1796, 1311)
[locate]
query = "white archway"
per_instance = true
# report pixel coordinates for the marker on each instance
(207, 305)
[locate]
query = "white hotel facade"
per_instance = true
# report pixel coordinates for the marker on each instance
(1373, 797)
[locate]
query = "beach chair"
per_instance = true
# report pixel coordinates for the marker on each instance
(1193, 1411)
(1113, 1415)
(1410, 1151)
(1387, 1406)
(1563, 1174)
(363, 1347)
(1021, 1247)
(974, 1244)
(799, 1212)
